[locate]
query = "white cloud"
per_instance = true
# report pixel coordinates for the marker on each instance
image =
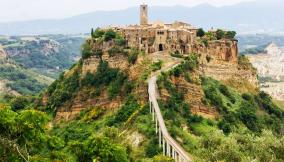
(15, 10)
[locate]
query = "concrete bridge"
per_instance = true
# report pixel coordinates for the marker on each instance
(170, 147)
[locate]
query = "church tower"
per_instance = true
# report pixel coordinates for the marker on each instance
(143, 14)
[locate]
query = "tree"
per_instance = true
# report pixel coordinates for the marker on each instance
(109, 35)
(220, 34)
(230, 34)
(86, 50)
(92, 33)
(19, 103)
(200, 32)
(98, 33)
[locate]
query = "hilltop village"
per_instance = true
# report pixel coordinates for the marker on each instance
(217, 52)
(176, 37)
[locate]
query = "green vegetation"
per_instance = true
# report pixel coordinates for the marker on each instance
(133, 56)
(21, 80)
(244, 108)
(61, 91)
(48, 55)
(245, 120)
(157, 66)
(220, 34)
(200, 32)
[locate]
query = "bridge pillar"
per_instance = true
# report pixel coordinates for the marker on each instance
(153, 114)
(156, 125)
(164, 145)
(160, 137)
(168, 150)
(150, 106)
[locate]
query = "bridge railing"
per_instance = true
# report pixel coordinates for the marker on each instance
(170, 147)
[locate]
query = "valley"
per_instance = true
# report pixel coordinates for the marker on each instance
(31, 63)
(148, 92)
(270, 67)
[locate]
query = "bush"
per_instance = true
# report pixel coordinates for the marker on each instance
(152, 149)
(99, 53)
(98, 33)
(265, 101)
(157, 66)
(133, 56)
(247, 114)
(126, 110)
(115, 50)
(86, 50)
(230, 34)
(225, 91)
(120, 42)
(220, 34)
(200, 32)
(19, 103)
(109, 35)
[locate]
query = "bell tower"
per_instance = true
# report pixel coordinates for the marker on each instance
(143, 14)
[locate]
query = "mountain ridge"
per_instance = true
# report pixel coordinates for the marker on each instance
(266, 19)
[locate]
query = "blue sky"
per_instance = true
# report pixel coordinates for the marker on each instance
(21, 10)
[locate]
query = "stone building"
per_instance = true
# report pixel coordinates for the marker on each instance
(158, 36)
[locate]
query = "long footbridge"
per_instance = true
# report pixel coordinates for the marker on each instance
(169, 146)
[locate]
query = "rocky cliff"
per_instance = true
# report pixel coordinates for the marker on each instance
(219, 60)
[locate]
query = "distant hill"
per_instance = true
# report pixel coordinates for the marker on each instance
(47, 54)
(250, 17)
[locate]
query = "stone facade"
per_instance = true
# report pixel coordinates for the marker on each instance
(176, 37)
(158, 36)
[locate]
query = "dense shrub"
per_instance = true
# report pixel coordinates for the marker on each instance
(115, 50)
(19, 103)
(98, 33)
(220, 34)
(65, 89)
(120, 42)
(225, 91)
(153, 149)
(133, 56)
(200, 32)
(247, 114)
(230, 34)
(157, 66)
(109, 35)
(86, 50)
(265, 101)
(126, 110)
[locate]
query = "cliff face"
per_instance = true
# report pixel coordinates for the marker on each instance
(216, 51)
(219, 60)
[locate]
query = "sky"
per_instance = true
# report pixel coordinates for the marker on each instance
(22, 10)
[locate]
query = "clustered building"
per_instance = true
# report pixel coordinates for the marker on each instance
(175, 37)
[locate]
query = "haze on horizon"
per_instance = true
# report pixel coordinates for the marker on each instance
(19, 10)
